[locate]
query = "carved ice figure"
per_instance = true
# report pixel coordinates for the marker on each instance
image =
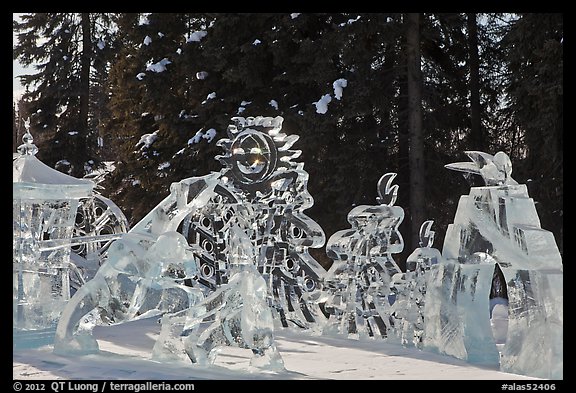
(44, 210)
(236, 314)
(496, 241)
(260, 168)
(142, 277)
(408, 309)
(495, 169)
(359, 281)
(259, 176)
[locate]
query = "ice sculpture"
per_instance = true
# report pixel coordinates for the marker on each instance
(236, 314)
(359, 282)
(142, 277)
(44, 202)
(408, 309)
(259, 172)
(260, 190)
(496, 254)
(101, 220)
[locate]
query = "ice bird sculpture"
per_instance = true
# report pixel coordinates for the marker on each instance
(496, 248)
(494, 169)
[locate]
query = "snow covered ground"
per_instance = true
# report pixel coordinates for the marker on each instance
(126, 351)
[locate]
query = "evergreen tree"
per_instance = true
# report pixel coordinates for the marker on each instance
(476, 133)
(533, 45)
(15, 133)
(154, 102)
(164, 87)
(61, 48)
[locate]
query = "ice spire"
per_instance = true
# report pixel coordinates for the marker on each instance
(496, 170)
(28, 147)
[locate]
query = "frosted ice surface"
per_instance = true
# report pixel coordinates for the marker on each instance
(359, 282)
(457, 312)
(534, 343)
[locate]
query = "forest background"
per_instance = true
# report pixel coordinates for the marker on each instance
(368, 93)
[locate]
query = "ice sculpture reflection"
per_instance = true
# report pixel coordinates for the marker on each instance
(497, 255)
(139, 280)
(359, 282)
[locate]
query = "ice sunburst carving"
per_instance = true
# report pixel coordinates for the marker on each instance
(256, 151)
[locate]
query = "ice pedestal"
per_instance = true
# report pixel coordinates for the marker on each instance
(44, 212)
(457, 312)
(534, 342)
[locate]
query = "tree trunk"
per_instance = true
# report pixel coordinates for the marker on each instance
(403, 158)
(476, 132)
(15, 142)
(415, 133)
(85, 60)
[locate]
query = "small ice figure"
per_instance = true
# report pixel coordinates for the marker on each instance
(408, 309)
(177, 255)
(359, 282)
(236, 314)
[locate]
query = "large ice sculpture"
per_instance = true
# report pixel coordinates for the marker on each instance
(260, 169)
(496, 255)
(260, 172)
(44, 202)
(262, 191)
(359, 282)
